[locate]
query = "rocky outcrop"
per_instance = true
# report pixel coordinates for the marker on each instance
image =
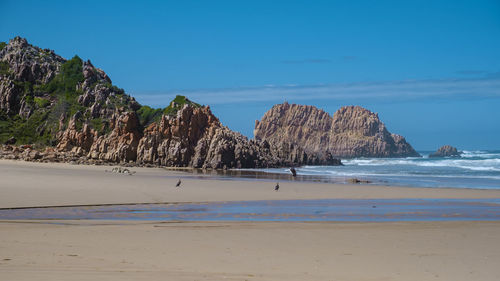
(172, 140)
(72, 105)
(446, 151)
(193, 137)
(49, 154)
(76, 140)
(30, 63)
(352, 132)
(121, 144)
(196, 138)
(44, 90)
(100, 99)
(25, 64)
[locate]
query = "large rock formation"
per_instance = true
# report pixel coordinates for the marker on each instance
(446, 151)
(352, 132)
(40, 91)
(48, 101)
(196, 138)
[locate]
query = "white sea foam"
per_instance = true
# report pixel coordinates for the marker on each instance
(475, 169)
(476, 165)
(309, 171)
(479, 154)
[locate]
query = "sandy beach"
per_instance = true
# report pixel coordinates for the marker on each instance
(249, 251)
(28, 184)
(156, 250)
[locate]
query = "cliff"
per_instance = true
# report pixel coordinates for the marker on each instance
(53, 109)
(352, 132)
(40, 91)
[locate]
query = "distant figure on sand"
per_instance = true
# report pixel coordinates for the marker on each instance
(277, 186)
(178, 183)
(294, 172)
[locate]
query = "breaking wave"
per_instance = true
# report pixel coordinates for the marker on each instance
(470, 164)
(474, 169)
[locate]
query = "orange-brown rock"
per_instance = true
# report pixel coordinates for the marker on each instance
(196, 138)
(352, 132)
(121, 144)
(41, 91)
(74, 138)
(173, 140)
(193, 137)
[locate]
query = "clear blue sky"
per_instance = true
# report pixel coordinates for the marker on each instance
(431, 69)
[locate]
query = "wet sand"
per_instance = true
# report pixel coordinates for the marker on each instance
(140, 250)
(25, 184)
(319, 210)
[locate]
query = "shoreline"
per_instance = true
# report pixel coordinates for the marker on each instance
(246, 174)
(29, 184)
(122, 250)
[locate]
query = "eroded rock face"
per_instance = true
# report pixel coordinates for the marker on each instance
(121, 144)
(30, 63)
(74, 139)
(196, 138)
(172, 140)
(192, 138)
(302, 125)
(352, 132)
(73, 105)
(99, 98)
(26, 64)
(118, 146)
(446, 151)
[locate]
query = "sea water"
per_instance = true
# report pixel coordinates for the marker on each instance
(474, 169)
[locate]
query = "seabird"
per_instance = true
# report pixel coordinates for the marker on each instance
(294, 172)
(178, 183)
(277, 186)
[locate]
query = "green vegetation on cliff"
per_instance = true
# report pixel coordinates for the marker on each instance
(148, 115)
(64, 83)
(63, 88)
(34, 110)
(41, 102)
(26, 131)
(176, 104)
(43, 122)
(4, 68)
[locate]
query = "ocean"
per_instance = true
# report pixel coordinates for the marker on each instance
(474, 169)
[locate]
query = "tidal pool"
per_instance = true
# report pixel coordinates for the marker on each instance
(365, 210)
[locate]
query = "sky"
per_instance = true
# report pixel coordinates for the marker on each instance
(430, 69)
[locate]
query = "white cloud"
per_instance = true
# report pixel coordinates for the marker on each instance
(394, 90)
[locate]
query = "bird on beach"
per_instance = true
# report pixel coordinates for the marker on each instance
(178, 183)
(293, 171)
(277, 186)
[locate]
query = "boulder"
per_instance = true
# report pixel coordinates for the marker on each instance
(446, 151)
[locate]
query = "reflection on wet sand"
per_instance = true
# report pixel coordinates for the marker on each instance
(369, 210)
(234, 174)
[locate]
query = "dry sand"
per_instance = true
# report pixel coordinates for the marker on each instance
(138, 250)
(250, 251)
